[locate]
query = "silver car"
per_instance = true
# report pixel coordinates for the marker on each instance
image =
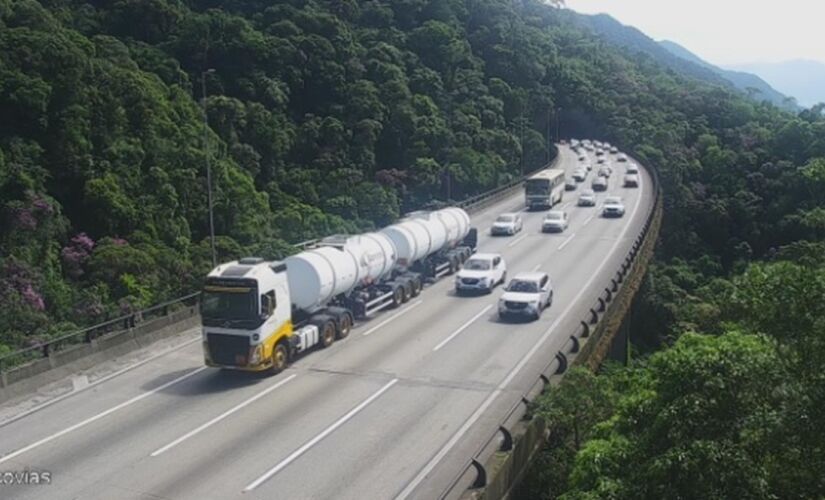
(613, 207)
(600, 183)
(631, 180)
(555, 221)
(507, 224)
(587, 198)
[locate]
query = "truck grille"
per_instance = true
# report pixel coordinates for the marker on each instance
(469, 281)
(229, 350)
(515, 305)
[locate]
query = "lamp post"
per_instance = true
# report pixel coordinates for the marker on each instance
(208, 167)
(558, 114)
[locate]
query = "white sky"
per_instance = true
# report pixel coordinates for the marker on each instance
(725, 32)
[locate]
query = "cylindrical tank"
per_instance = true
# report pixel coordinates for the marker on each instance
(337, 266)
(457, 223)
(421, 234)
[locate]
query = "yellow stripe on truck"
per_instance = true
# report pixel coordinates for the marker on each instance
(272, 340)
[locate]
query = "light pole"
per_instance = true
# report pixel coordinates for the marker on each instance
(558, 114)
(208, 167)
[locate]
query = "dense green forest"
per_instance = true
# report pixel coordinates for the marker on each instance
(338, 115)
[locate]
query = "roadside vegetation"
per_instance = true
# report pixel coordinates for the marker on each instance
(337, 116)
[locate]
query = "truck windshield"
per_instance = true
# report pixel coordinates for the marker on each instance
(229, 304)
(538, 186)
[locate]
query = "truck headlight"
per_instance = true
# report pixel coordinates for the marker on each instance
(256, 355)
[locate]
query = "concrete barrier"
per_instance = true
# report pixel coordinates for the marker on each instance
(61, 363)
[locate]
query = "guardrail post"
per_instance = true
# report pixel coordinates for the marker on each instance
(544, 379)
(594, 316)
(601, 305)
(507, 442)
(615, 285)
(608, 295)
(481, 475)
(585, 329)
(619, 276)
(576, 345)
(562, 363)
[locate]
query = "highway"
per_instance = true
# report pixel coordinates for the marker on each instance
(393, 411)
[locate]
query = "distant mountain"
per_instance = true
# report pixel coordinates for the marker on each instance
(749, 83)
(614, 32)
(802, 79)
(679, 59)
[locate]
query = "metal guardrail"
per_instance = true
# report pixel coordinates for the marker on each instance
(519, 410)
(87, 334)
(90, 333)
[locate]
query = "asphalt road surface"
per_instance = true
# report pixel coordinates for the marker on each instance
(393, 411)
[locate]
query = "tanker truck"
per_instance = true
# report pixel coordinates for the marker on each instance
(258, 315)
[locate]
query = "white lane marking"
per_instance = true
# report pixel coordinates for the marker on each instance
(428, 468)
(100, 415)
(517, 240)
(536, 267)
(462, 328)
(97, 382)
(394, 316)
(312, 442)
(587, 221)
(565, 205)
(221, 417)
(561, 247)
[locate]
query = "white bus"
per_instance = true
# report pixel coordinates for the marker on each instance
(544, 189)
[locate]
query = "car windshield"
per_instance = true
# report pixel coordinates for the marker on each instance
(505, 218)
(477, 265)
(554, 216)
(523, 286)
(613, 201)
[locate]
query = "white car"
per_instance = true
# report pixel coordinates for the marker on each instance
(507, 224)
(570, 185)
(613, 207)
(481, 273)
(555, 221)
(602, 160)
(631, 180)
(599, 183)
(614, 150)
(587, 198)
(527, 295)
(582, 157)
(632, 168)
(579, 175)
(621, 157)
(604, 172)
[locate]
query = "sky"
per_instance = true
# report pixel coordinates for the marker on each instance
(725, 32)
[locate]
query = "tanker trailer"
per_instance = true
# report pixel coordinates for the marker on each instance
(258, 314)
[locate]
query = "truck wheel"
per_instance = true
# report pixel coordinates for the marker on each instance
(344, 326)
(416, 286)
(327, 334)
(280, 357)
(398, 296)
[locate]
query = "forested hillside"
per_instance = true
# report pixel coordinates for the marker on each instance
(328, 116)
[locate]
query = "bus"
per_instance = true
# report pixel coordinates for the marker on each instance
(544, 189)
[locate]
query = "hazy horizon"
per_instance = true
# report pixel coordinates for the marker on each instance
(703, 27)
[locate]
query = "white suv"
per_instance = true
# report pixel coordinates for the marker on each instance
(481, 273)
(527, 295)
